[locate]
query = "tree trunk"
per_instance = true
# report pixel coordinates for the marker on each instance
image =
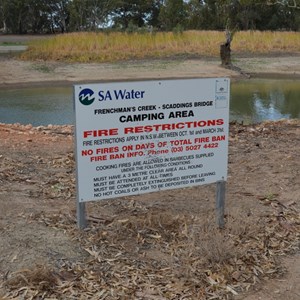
(4, 26)
(225, 53)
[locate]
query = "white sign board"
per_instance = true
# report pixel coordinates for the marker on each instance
(139, 137)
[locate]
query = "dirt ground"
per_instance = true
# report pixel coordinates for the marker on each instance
(157, 246)
(16, 73)
(39, 235)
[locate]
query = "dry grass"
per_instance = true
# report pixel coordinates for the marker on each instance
(40, 278)
(137, 250)
(266, 42)
(102, 47)
(154, 254)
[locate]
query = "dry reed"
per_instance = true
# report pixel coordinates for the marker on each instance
(116, 46)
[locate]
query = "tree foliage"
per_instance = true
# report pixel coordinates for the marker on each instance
(41, 16)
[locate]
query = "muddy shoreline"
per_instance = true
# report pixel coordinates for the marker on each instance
(15, 73)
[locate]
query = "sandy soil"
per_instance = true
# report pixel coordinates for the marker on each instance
(19, 73)
(16, 72)
(43, 254)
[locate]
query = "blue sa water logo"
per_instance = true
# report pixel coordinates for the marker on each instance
(86, 97)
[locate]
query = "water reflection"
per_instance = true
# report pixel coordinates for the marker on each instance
(251, 101)
(37, 106)
(269, 111)
(258, 100)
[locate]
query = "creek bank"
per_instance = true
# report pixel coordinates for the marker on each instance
(16, 73)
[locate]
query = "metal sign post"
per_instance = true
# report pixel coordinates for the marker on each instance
(81, 219)
(220, 203)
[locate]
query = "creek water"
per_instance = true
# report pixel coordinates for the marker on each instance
(251, 101)
(257, 100)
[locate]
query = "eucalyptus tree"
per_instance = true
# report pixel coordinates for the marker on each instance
(16, 15)
(98, 12)
(173, 13)
(194, 14)
(38, 17)
(289, 3)
(58, 14)
(244, 14)
(133, 12)
(21, 16)
(89, 14)
(4, 14)
(78, 10)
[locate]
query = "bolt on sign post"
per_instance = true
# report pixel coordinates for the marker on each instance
(146, 136)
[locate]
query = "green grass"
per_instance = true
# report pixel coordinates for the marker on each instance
(116, 46)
